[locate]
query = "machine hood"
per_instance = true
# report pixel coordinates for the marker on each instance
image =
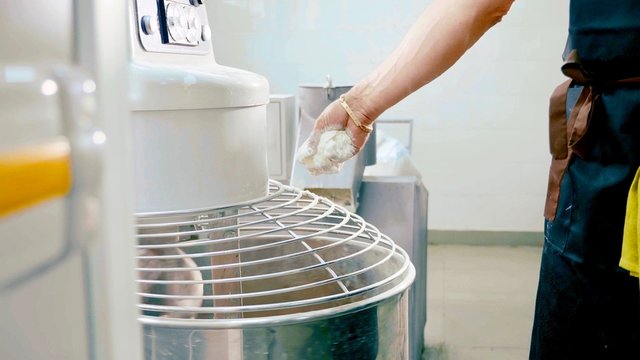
(166, 87)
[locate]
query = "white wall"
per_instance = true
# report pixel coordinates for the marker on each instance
(480, 133)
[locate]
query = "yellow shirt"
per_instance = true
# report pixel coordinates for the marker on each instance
(630, 245)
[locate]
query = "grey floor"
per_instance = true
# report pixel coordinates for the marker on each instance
(480, 301)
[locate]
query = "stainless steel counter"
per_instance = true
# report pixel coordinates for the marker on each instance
(397, 205)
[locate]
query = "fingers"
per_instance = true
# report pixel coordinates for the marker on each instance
(306, 151)
(333, 117)
(309, 148)
(334, 148)
(358, 137)
(334, 140)
(326, 170)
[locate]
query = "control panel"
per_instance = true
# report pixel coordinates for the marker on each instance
(173, 26)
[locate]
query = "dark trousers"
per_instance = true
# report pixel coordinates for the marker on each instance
(584, 312)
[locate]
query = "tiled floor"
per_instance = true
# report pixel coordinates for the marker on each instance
(480, 301)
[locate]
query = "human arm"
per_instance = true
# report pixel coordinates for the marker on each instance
(441, 35)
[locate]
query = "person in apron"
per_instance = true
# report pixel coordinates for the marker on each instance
(586, 306)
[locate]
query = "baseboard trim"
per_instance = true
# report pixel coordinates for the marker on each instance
(485, 238)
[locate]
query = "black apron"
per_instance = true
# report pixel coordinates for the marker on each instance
(587, 307)
(596, 149)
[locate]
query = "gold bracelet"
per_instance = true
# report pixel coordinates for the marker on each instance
(353, 117)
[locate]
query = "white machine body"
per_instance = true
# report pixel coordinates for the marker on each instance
(198, 127)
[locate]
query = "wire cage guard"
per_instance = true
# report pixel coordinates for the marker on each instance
(290, 252)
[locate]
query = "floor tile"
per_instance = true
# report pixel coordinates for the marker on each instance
(434, 331)
(487, 323)
(480, 301)
(487, 354)
(491, 257)
(516, 284)
(436, 352)
(435, 256)
(435, 284)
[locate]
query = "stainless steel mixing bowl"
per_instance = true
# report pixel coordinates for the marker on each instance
(289, 276)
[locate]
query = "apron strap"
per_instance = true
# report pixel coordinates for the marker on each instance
(580, 119)
(557, 121)
(567, 138)
(559, 146)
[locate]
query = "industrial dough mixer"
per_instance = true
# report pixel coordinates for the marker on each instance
(232, 265)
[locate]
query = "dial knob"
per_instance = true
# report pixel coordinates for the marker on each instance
(149, 24)
(176, 21)
(194, 26)
(206, 32)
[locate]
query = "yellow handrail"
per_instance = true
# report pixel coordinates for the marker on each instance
(33, 174)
